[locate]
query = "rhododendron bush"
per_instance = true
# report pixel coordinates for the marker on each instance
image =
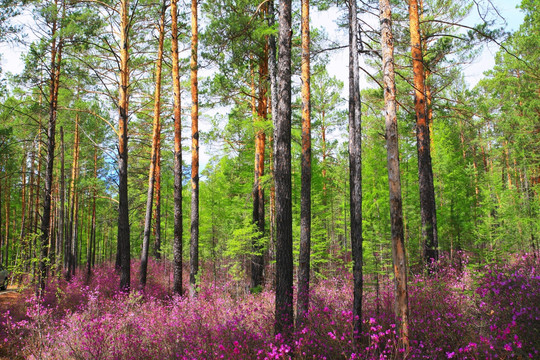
(487, 313)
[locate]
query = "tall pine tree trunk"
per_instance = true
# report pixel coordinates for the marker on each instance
(302, 306)
(74, 247)
(24, 192)
(355, 171)
(36, 218)
(71, 239)
(31, 183)
(272, 72)
(56, 58)
(177, 246)
(61, 214)
(157, 190)
(92, 245)
(123, 249)
(425, 172)
(27, 253)
(194, 248)
(394, 181)
(282, 150)
(156, 132)
(8, 208)
(52, 226)
(34, 251)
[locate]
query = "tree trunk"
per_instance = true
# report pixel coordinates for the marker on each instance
(194, 248)
(26, 255)
(272, 72)
(34, 253)
(71, 241)
(355, 171)
(4, 240)
(11, 247)
(24, 192)
(282, 135)
(123, 257)
(302, 306)
(32, 185)
(394, 181)
(35, 221)
(8, 208)
(92, 245)
(177, 247)
(156, 132)
(257, 260)
(74, 247)
(425, 172)
(61, 233)
(56, 58)
(157, 190)
(52, 226)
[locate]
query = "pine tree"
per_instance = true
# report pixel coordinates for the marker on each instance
(399, 257)
(282, 170)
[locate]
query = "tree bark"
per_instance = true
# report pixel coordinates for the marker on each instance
(272, 72)
(36, 218)
(8, 208)
(31, 202)
(302, 306)
(71, 242)
(124, 257)
(399, 258)
(24, 192)
(61, 233)
(156, 132)
(56, 58)
(194, 249)
(425, 172)
(52, 226)
(75, 238)
(355, 172)
(157, 190)
(177, 246)
(92, 244)
(282, 135)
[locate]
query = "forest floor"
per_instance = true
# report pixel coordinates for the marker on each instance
(465, 311)
(8, 299)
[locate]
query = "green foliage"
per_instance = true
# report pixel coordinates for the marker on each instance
(485, 148)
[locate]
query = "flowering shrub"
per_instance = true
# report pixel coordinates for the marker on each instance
(510, 302)
(452, 316)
